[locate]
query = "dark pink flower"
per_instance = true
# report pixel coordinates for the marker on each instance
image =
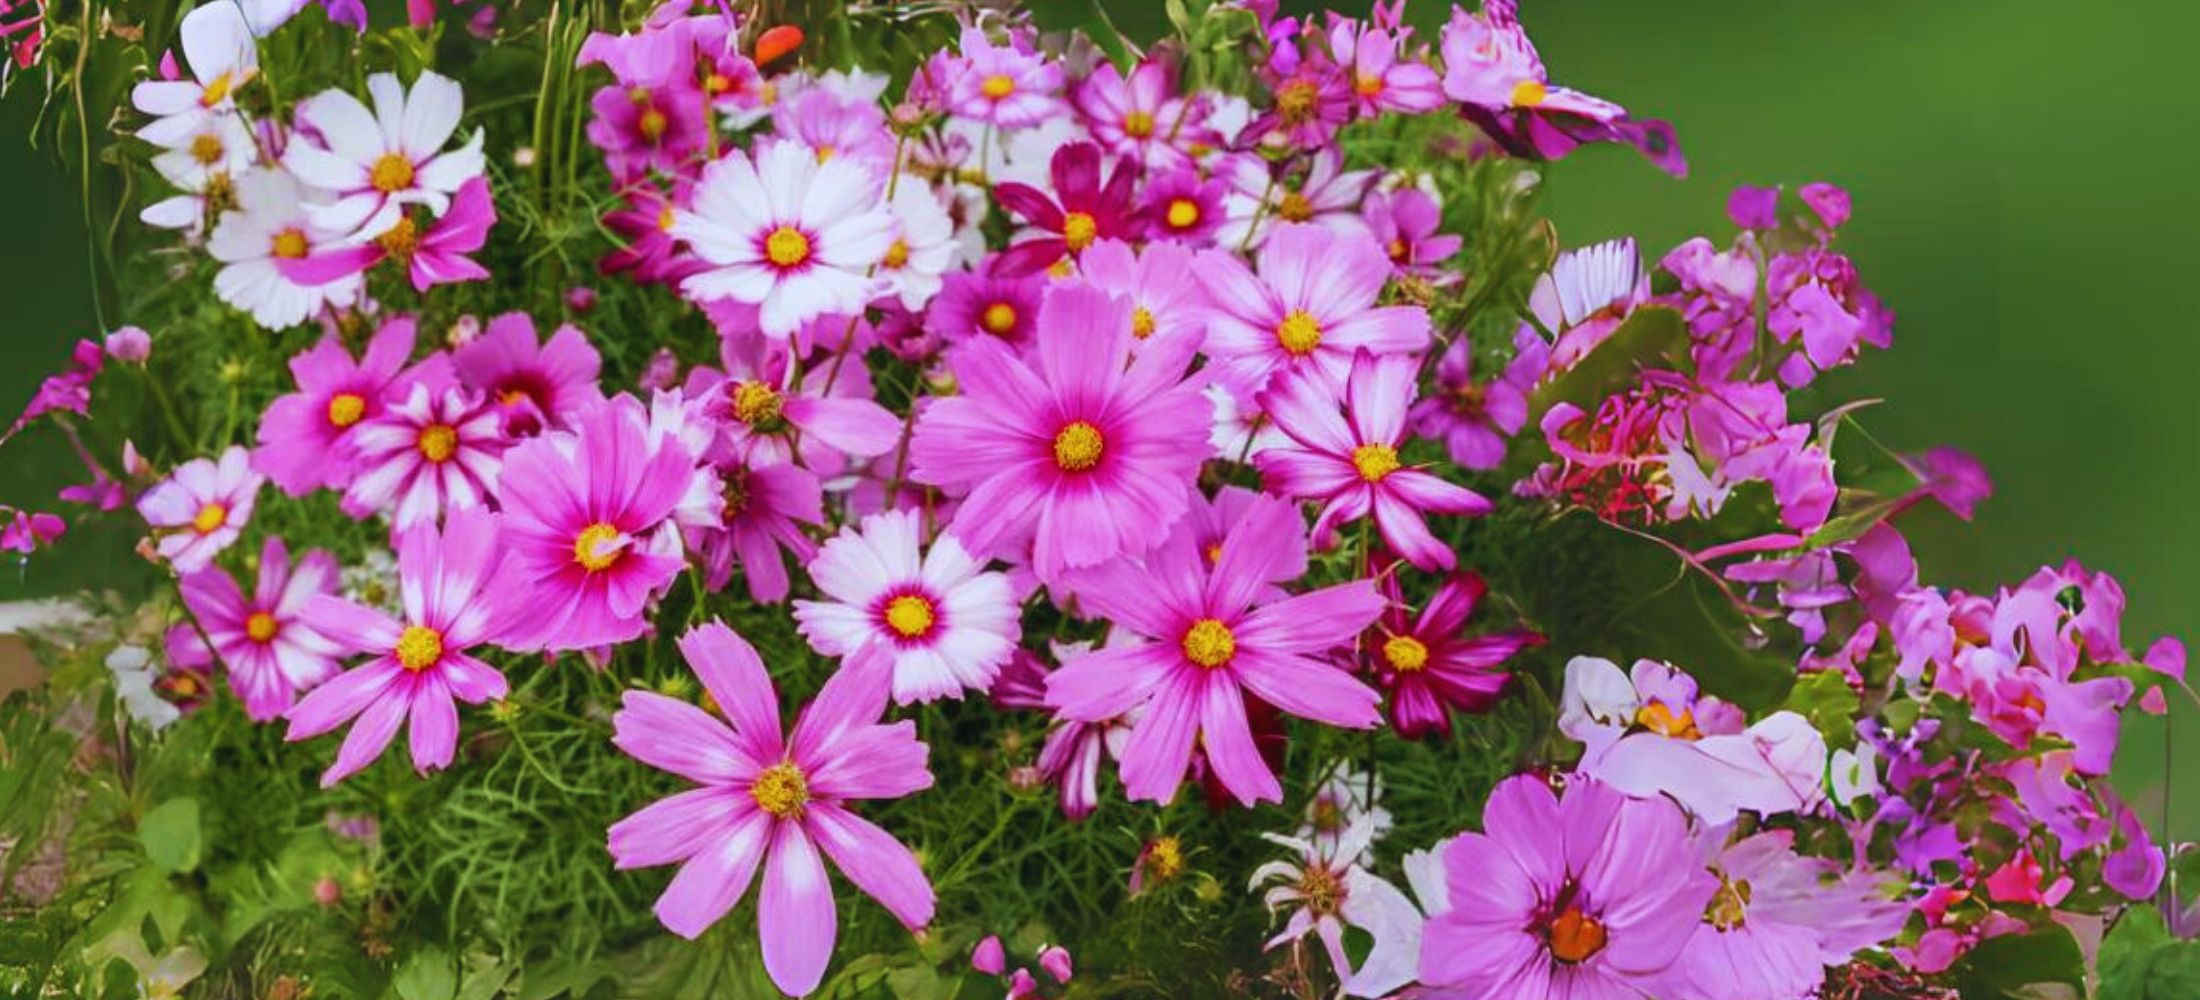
(1084, 208)
(307, 436)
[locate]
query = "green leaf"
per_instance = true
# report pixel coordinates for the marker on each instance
(1825, 699)
(2010, 965)
(1654, 337)
(1684, 618)
(427, 975)
(171, 835)
(2126, 949)
(1092, 19)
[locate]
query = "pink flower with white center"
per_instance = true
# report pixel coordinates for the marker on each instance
(419, 667)
(270, 227)
(534, 385)
(773, 800)
(306, 437)
(200, 509)
(1007, 86)
(219, 48)
(1310, 307)
(938, 619)
(270, 651)
(432, 452)
(1161, 284)
(787, 234)
(588, 519)
(1212, 647)
(376, 162)
(1383, 77)
(1327, 890)
(1144, 117)
(1350, 461)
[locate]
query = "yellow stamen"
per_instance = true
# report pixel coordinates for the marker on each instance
(664, 218)
(217, 90)
(596, 548)
(290, 243)
(1138, 124)
(910, 616)
(1295, 101)
(1375, 461)
(1368, 85)
(419, 647)
(1183, 213)
(1295, 207)
(1299, 333)
(1209, 643)
(210, 518)
(781, 790)
(206, 147)
(346, 408)
(652, 124)
(824, 153)
(1078, 446)
(758, 405)
(1142, 322)
(1729, 906)
(1529, 93)
(1079, 230)
(438, 442)
(787, 247)
(1320, 890)
(1164, 858)
(1661, 720)
(997, 86)
(400, 241)
(260, 627)
(1406, 654)
(392, 173)
(1397, 250)
(999, 319)
(897, 255)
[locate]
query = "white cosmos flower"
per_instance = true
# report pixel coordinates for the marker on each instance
(205, 168)
(135, 673)
(1346, 797)
(923, 247)
(787, 234)
(1326, 891)
(218, 47)
(271, 223)
(376, 162)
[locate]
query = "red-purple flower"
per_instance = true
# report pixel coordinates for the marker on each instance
(1310, 305)
(435, 450)
(1085, 207)
(532, 385)
(201, 509)
(1428, 663)
(1492, 69)
(307, 437)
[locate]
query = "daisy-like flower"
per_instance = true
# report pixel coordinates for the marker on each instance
(977, 304)
(588, 520)
(1143, 116)
(419, 668)
(1778, 920)
(1328, 196)
(436, 257)
(760, 410)
(205, 168)
(923, 247)
(1311, 305)
(306, 436)
(1383, 77)
(1589, 897)
(1428, 664)
(271, 653)
(200, 509)
(431, 452)
(1183, 207)
(1346, 798)
(1211, 649)
(271, 226)
(1493, 71)
(771, 800)
(1474, 419)
(937, 619)
(1084, 208)
(1167, 303)
(1327, 890)
(642, 128)
(764, 508)
(786, 233)
(1405, 223)
(1082, 449)
(1350, 461)
(376, 162)
(534, 385)
(219, 48)
(1007, 86)
(829, 125)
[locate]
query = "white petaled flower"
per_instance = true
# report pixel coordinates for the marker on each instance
(923, 247)
(134, 676)
(1326, 891)
(938, 619)
(426, 455)
(376, 162)
(205, 168)
(1345, 797)
(787, 234)
(218, 46)
(269, 225)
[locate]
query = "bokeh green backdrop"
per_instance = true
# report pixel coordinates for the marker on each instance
(2027, 184)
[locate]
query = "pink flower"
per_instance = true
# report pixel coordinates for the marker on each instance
(1084, 208)
(437, 258)
(534, 385)
(662, 128)
(978, 303)
(419, 666)
(765, 507)
(200, 510)
(1326, 889)
(1383, 77)
(1181, 206)
(308, 437)
(1144, 116)
(1310, 307)
(1777, 921)
(1406, 223)
(1585, 898)
(1350, 461)
(1083, 450)
(786, 233)
(939, 620)
(1492, 69)
(1074, 751)
(1007, 86)
(771, 801)
(270, 652)
(1428, 665)
(24, 531)
(1167, 302)
(69, 391)
(764, 417)
(644, 235)
(829, 125)
(1473, 419)
(434, 451)
(378, 161)
(1213, 648)
(130, 345)
(587, 519)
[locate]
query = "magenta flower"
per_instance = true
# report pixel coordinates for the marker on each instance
(1084, 208)
(787, 234)
(270, 651)
(1328, 196)
(307, 437)
(1473, 419)
(70, 390)
(437, 258)
(764, 417)
(1007, 86)
(1428, 664)
(1310, 307)
(1181, 206)
(432, 452)
(1350, 461)
(1167, 302)
(200, 509)
(644, 233)
(1585, 898)
(938, 619)
(765, 507)
(1778, 920)
(1213, 647)
(588, 521)
(641, 129)
(771, 801)
(1074, 751)
(1143, 116)
(1405, 223)
(1086, 452)
(829, 124)
(533, 385)
(1384, 78)
(1492, 69)
(419, 667)
(982, 304)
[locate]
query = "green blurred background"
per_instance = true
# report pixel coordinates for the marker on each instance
(2024, 177)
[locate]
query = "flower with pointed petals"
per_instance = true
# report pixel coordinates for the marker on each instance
(1085, 206)
(1778, 920)
(786, 233)
(1007, 86)
(534, 385)
(271, 653)
(1167, 302)
(1144, 116)
(1327, 890)
(1494, 73)
(642, 128)
(763, 416)
(436, 257)
(1310, 305)
(1474, 419)
(1074, 751)
(205, 167)
(771, 800)
(939, 619)
(376, 162)
(306, 437)
(419, 668)
(271, 228)
(218, 46)
(829, 125)
(1406, 223)
(1261, 199)
(923, 247)
(1428, 665)
(764, 509)
(434, 451)
(983, 304)
(201, 509)
(1383, 76)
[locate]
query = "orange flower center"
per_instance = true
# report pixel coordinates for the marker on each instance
(1529, 93)
(1142, 322)
(206, 147)
(1574, 936)
(781, 790)
(1138, 124)
(1295, 207)
(997, 86)
(998, 319)
(260, 627)
(1661, 720)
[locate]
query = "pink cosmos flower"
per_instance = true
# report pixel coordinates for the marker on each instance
(1383, 76)
(1428, 665)
(378, 161)
(1182, 206)
(200, 510)
(1007, 86)
(1084, 208)
(1405, 222)
(765, 507)
(1311, 305)
(533, 385)
(434, 451)
(587, 518)
(1074, 751)
(1261, 199)
(975, 303)
(1777, 921)
(1144, 116)
(771, 801)
(763, 417)
(1081, 449)
(419, 667)
(663, 128)
(438, 257)
(644, 234)
(938, 619)
(307, 437)
(69, 390)
(1473, 419)
(1213, 648)
(1309, 96)
(786, 233)
(270, 652)
(1492, 69)
(829, 125)
(1167, 302)
(1350, 461)
(1585, 898)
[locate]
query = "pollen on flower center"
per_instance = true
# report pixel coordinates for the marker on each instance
(290, 244)
(1138, 124)
(401, 240)
(911, 616)
(418, 647)
(651, 124)
(1079, 230)
(1529, 93)
(781, 790)
(998, 319)
(217, 90)
(1321, 890)
(897, 255)
(1398, 250)
(1367, 85)
(209, 518)
(260, 627)
(392, 173)
(1405, 653)
(206, 148)
(997, 86)
(1299, 333)
(1295, 101)
(1574, 936)
(758, 405)
(438, 442)
(1375, 461)
(1659, 719)
(1078, 446)
(1729, 906)
(596, 547)
(346, 408)
(787, 247)
(1142, 322)
(1209, 643)
(1183, 213)
(1295, 207)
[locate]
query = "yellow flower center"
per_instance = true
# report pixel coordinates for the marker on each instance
(1397, 250)
(418, 647)
(1299, 333)
(217, 90)
(664, 218)
(1142, 322)
(400, 240)
(206, 148)
(209, 518)
(596, 548)
(1574, 936)
(1183, 213)
(1320, 890)
(1079, 230)
(758, 405)
(1138, 124)
(897, 255)
(438, 442)
(781, 790)
(998, 319)
(717, 83)
(787, 247)
(1661, 720)
(346, 408)
(1375, 461)
(1295, 101)
(260, 627)
(1529, 93)
(1406, 654)
(1295, 207)
(392, 173)
(1164, 858)
(910, 616)
(1367, 85)
(651, 124)
(1729, 906)
(1077, 447)
(997, 86)
(824, 153)
(290, 244)
(1209, 643)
